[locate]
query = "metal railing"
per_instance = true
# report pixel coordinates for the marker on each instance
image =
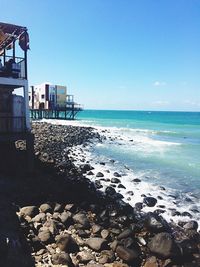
(14, 70)
(10, 125)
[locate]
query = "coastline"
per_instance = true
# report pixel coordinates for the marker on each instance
(68, 220)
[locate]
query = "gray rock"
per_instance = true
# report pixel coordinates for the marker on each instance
(128, 255)
(97, 243)
(62, 258)
(163, 246)
(156, 223)
(82, 219)
(58, 207)
(46, 208)
(126, 233)
(30, 211)
(105, 233)
(39, 218)
(107, 256)
(45, 236)
(96, 228)
(66, 217)
(67, 243)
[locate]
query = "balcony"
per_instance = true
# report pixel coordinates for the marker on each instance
(13, 68)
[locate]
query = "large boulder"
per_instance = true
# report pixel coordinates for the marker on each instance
(46, 208)
(45, 236)
(163, 246)
(62, 258)
(128, 255)
(155, 223)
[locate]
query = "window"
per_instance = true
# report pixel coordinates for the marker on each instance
(42, 96)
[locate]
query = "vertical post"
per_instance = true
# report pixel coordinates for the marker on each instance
(32, 95)
(14, 50)
(25, 56)
(4, 57)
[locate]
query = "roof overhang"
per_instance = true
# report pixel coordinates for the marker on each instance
(8, 34)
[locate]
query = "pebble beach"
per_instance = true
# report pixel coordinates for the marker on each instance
(77, 211)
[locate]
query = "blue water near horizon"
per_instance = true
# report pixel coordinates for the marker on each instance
(166, 144)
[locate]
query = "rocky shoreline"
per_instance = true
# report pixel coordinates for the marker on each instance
(68, 221)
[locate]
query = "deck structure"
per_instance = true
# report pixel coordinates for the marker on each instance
(47, 101)
(14, 109)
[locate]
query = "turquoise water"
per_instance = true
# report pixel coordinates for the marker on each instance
(165, 147)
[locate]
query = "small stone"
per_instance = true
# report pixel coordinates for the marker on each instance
(105, 233)
(96, 228)
(116, 174)
(58, 207)
(66, 217)
(126, 233)
(84, 256)
(121, 186)
(39, 218)
(99, 174)
(192, 225)
(115, 181)
(151, 262)
(136, 180)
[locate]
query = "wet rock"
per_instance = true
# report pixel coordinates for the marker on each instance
(86, 167)
(164, 246)
(136, 180)
(121, 186)
(102, 163)
(85, 256)
(97, 243)
(90, 173)
(110, 191)
(46, 208)
(185, 213)
(62, 258)
(155, 223)
(138, 206)
(130, 193)
(116, 174)
(98, 184)
(82, 219)
(30, 211)
(150, 201)
(99, 174)
(115, 181)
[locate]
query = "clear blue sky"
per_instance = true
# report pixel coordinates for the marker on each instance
(115, 54)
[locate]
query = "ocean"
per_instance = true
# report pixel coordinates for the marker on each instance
(162, 149)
